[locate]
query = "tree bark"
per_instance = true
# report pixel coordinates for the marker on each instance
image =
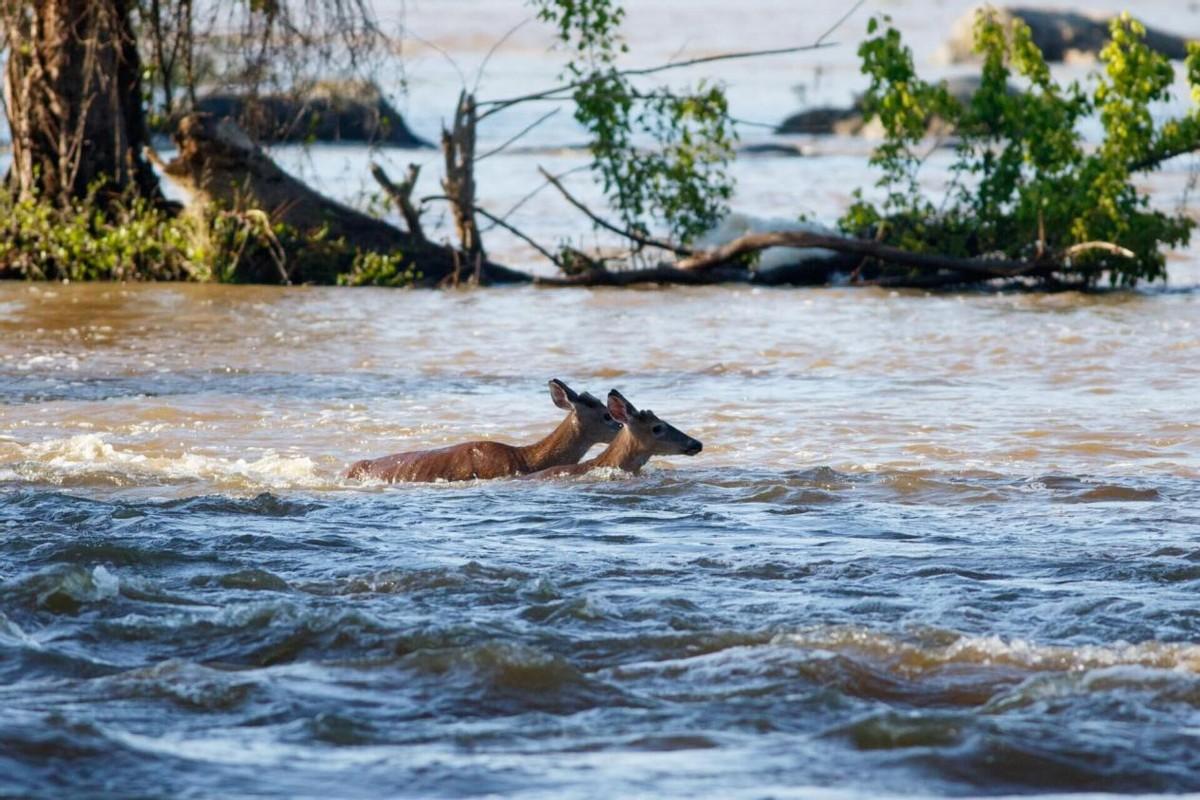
(221, 168)
(73, 97)
(458, 148)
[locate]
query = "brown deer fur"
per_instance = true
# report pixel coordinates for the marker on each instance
(644, 435)
(587, 424)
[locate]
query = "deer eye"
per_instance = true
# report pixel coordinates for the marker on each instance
(657, 430)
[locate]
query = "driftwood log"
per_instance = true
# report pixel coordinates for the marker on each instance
(846, 255)
(219, 167)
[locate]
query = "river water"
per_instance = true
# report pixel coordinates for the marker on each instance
(935, 545)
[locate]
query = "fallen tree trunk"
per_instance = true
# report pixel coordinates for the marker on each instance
(927, 270)
(663, 274)
(754, 242)
(972, 269)
(222, 169)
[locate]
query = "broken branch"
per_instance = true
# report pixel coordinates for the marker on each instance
(401, 195)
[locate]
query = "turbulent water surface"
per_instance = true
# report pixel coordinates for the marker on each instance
(935, 545)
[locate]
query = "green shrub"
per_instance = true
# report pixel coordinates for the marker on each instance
(140, 241)
(134, 241)
(1025, 184)
(379, 269)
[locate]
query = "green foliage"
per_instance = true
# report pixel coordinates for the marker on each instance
(379, 269)
(138, 241)
(1025, 183)
(661, 155)
(135, 241)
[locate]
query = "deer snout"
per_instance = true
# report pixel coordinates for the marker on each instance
(693, 447)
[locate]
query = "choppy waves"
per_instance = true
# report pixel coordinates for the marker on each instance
(90, 460)
(573, 639)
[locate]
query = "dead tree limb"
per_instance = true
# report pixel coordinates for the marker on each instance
(401, 195)
(458, 147)
(980, 268)
(660, 274)
(217, 166)
(629, 234)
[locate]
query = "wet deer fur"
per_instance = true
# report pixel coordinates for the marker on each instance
(643, 435)
(588, 423)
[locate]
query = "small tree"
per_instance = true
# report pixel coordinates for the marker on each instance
(1026, 185)
(661, 154)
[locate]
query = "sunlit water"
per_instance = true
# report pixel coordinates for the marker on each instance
(935, 544)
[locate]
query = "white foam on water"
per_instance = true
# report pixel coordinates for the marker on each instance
(92, 455)
(916, 657)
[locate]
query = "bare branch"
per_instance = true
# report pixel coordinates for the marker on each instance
(445, 55)
(840, 22)
(535, 192)
(495, 106)
(1107, 247)
(494, 49)
(632, 235)
(523, 237)
(402, 196)
(518, 136)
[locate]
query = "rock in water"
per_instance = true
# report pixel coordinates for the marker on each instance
(1060, 35)
(332, 111)
(851, 121)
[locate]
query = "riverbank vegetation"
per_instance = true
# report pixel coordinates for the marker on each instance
(1030, 199)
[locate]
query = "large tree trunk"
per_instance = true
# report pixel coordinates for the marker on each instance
(73, 96)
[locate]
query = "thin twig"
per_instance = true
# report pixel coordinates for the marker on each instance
(518, 136)
(449, 58)
(523, 237)
(532, 194)
(494, 48)
(632, 235)
(495, 106)
(840, 21)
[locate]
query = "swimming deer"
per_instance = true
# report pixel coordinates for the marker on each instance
(642, 436)
(588, 423)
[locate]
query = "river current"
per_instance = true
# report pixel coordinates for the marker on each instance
(935, 545)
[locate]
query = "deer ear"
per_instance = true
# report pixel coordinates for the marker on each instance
(620, 408)
(561, 394)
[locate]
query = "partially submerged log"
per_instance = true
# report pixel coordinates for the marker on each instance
(331, 111)
(221, 168)
(1061, 35)
(863, 260)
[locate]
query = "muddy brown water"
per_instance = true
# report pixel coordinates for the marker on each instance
(934, 545)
